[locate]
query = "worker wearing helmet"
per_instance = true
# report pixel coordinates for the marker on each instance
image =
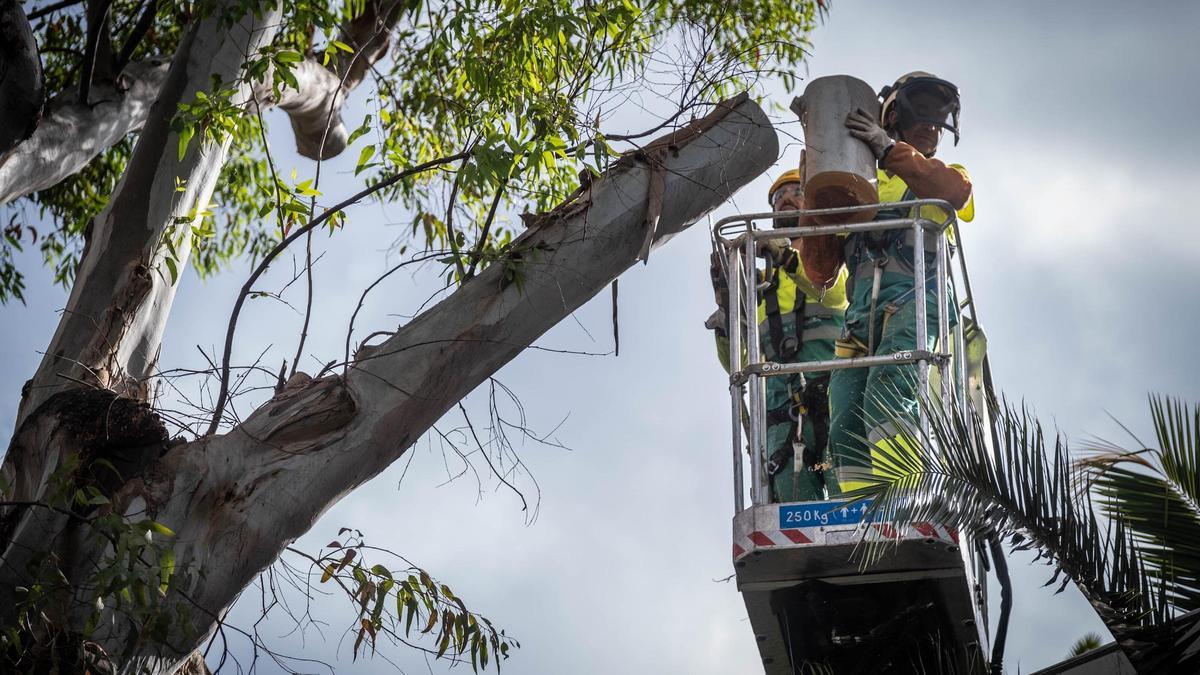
(792, 332)
(866, 403)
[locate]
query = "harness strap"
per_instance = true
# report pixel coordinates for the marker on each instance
(880, 263)
(799, 307)
(816, 403)
(774, 320)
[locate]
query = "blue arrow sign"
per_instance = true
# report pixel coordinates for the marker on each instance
(814, 514)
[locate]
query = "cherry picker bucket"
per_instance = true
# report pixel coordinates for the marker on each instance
(814, 604)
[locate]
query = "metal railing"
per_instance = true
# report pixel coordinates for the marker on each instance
(736, 238)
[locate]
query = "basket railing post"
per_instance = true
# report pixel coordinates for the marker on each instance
(753, 355)
(733, 317)
(922, 323)
(945, 366)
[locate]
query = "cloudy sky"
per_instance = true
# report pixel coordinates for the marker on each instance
(1078, 130)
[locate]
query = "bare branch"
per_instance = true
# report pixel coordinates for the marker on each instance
(51, 8)
(140, 29)
(97, 49)
(223, 394)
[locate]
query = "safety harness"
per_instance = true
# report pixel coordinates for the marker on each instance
(810, 400)
(885, 251)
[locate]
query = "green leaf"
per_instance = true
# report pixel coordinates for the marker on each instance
(364, 156)
(166, 567)
(362, 129)
(288, 77)
(411, 611)
(185, 137)
(289, 56)
(159, 528)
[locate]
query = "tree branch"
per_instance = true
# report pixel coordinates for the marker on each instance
(485, 232)
(236, 500)
(370, 35)
(71, 134)
(140, 29)
(22, 86)
(111, 331)
(51, 8)
(97, 49)
(223, 394)
(314, 109)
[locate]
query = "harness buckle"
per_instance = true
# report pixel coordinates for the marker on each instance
(789, 346)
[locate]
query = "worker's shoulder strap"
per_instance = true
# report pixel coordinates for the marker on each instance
(786, 343)
(799, 306)
(774, 320)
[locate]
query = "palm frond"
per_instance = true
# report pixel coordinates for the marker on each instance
(1179, 442)
(1152, 491)
(1030, 491)
(1085, 644)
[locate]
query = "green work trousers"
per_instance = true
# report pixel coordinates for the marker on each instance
(864, 401)
(790, 484)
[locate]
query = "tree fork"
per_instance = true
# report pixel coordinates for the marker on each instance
(236, 500)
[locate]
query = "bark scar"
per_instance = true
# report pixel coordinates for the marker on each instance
(306, 410)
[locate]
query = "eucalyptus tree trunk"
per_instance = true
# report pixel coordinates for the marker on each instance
(235, 500)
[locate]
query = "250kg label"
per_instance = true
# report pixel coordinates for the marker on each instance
(813, 514)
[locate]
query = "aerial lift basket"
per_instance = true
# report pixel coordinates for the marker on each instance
(812, 604)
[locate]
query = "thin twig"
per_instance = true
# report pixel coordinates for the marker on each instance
(483, 236)
(363, 297)
(223, 393)
(48, 9)
(140, 29)
(308, 276)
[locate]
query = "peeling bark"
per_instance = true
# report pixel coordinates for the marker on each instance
(315, 107)
(71, 134)
(238, 499)
(112, 328)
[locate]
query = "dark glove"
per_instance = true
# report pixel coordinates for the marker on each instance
(780, 254)
(865, 128)
(779, 250)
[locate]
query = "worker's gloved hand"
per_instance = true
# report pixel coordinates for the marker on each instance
(864, 127)
(776, 249)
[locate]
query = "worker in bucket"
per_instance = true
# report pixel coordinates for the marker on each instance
(791, 332)
(868, 404)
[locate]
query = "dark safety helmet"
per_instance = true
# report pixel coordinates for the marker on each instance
(922, 98)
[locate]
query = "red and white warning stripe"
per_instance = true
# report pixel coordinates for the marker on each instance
(809, 536)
